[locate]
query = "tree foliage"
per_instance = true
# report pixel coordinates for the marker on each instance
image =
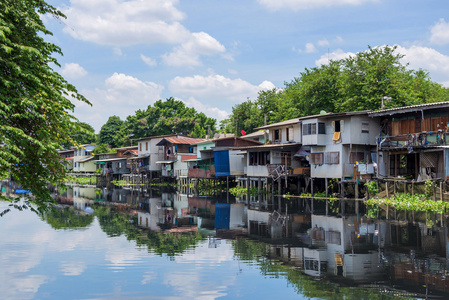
(108, 132)
(355, 83)
(35, 110)
(165, 117)
(82, 133)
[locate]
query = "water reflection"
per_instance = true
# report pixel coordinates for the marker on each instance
(217, 247)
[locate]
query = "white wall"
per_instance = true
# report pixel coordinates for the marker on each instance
(237, 163)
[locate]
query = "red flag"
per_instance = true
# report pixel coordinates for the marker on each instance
(243, 132)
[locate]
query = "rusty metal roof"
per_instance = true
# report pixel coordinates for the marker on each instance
(407, 109)
(181, 141)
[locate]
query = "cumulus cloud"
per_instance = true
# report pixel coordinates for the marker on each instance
(215, 87)
(73, 71)
(426, 58)
(310, 48)
(125, 23)
(148, 60)
(335, 55)
(188, 53)
(208, 110)
(119, 22)
(122, 95)
(308, 4)
(440, 33)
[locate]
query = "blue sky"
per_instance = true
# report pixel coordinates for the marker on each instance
(124, 55)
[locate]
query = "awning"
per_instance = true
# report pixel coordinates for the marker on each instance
(99, 163)
(137, 157)
(195, 159)
(301, 152)
(165, 161)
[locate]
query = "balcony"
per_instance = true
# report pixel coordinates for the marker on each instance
(423, 139)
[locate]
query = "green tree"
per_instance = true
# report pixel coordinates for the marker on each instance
(81, 134)
(165, 117)
(35, 110)
(108, 132)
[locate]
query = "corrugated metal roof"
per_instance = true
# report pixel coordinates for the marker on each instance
(283, 123)
(112, 159)
(407, 109)
(184, 140)
(270, 146)
(253, 134)
(86, 159)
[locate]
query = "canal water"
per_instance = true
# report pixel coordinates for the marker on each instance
(153, 244)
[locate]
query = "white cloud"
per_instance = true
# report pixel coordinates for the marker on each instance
(210, 111)
(310, 48)
(126, 23)
(121, 96)
(120, 22)
(324, 42)
(215, 87)
(308, 4)
(440, 33)
(148, 60)
(335, 55)
(73, 71)
(188, 53)
(428, 59)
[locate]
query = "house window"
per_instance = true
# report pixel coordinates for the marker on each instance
(140, 147)
(287, 131)
(337, 127)
(309, 129)
(316, 158)
(259, 158)
(321, 128)
(277, 136)
(146, 146)
(333, 237)
(355, 157)
(332, 158)
(365, 127)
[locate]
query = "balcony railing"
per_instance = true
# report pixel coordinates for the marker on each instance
(423, 139)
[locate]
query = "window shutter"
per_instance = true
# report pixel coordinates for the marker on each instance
(333, 126)
(342, 126)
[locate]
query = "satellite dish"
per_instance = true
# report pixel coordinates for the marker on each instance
(323, 112)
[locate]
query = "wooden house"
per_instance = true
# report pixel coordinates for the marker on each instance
(203, 165)
(229, 160)
(277, 157)
(83, 159)
(149, 154)
(116, 163)
(176, 152)
(413, 142)
(342, 145)
(67, 158)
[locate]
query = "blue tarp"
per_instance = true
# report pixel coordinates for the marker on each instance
(222, 167)
(22, 191)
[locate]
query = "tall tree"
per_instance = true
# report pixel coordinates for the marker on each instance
(108, 132)
(168, 116)
(35, 110)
